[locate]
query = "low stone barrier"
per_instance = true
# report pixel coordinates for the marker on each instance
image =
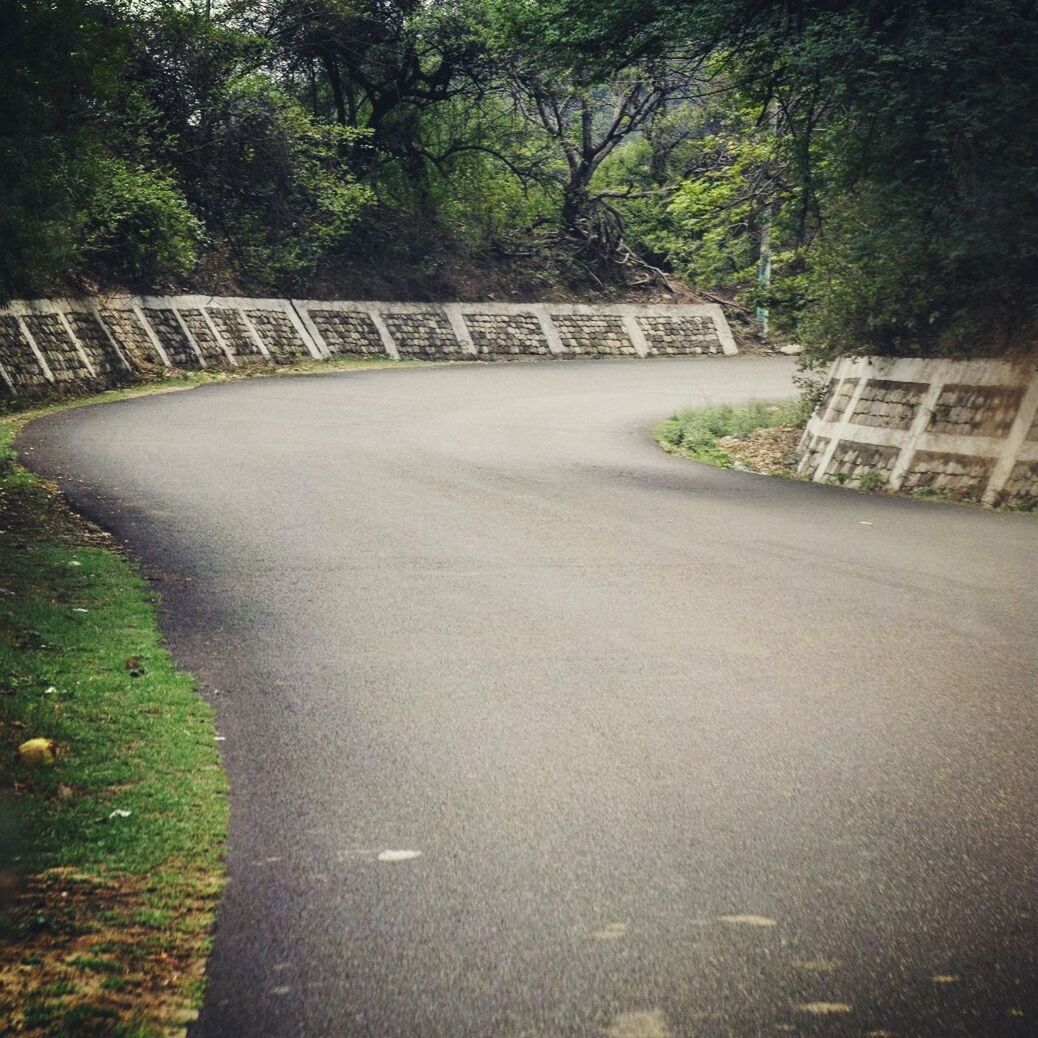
(965, 429)
(48, 344)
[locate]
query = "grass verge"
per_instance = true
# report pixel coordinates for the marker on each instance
(761, 437)
(111, 860)
(112, 857)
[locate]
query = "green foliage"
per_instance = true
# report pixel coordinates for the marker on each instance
(139, 227)
(908, 138)
(275, 186)
(707, 226)
(137, 740)
(56, 70)
(872, 481)
(72, 616)
(927, 175)
(695, 432)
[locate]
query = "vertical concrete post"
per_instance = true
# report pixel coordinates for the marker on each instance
(311, 327)
(460, 328)
(150, 332)
(635, 334)
(40, 358)
(844, 421)
(7, 380)
(188, 334)
(254, 334)
(384, 333)
(311, 344)
(724, 332)
(917, 428)
(218, 336)
(1025, 418)
(75, 342)
(548, 329)
(116, 345)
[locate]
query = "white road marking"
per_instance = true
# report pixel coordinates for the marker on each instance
(399, 855)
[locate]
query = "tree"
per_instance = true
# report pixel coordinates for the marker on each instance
(911, 133)
(587, 122)
(57, 77)
(380, 61)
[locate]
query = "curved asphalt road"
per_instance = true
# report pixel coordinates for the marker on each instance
(611, 696)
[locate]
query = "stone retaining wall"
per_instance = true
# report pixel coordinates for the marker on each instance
(97, 342)
(965, 429)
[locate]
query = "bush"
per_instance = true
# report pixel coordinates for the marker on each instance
(139, 226)
(695, 432)
(279, 190)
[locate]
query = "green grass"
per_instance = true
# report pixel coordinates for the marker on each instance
(694, 433)
(71, 615)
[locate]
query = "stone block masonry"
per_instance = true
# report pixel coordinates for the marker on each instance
(100, 346)
(349, 333)
(594, 335)
(967, 430)
(668, 335)
(172, 333)
(507, 334)
(97, 342)
(19, 362)
(424, 333)
(62, 344)
(237, 335)
(283, 340)
(65, 360)
(127, 328)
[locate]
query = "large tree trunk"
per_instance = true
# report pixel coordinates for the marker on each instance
(576, 198)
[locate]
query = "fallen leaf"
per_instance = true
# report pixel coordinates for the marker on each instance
(822, 1008)
(38, 752)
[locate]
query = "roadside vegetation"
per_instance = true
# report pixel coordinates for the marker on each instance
(761, 437)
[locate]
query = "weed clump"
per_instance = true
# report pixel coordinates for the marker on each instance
(697, 432)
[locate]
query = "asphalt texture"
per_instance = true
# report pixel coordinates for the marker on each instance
(683, 752)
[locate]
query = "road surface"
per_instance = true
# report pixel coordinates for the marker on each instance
(682, 752)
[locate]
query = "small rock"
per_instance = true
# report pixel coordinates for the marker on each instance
(791, 350)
